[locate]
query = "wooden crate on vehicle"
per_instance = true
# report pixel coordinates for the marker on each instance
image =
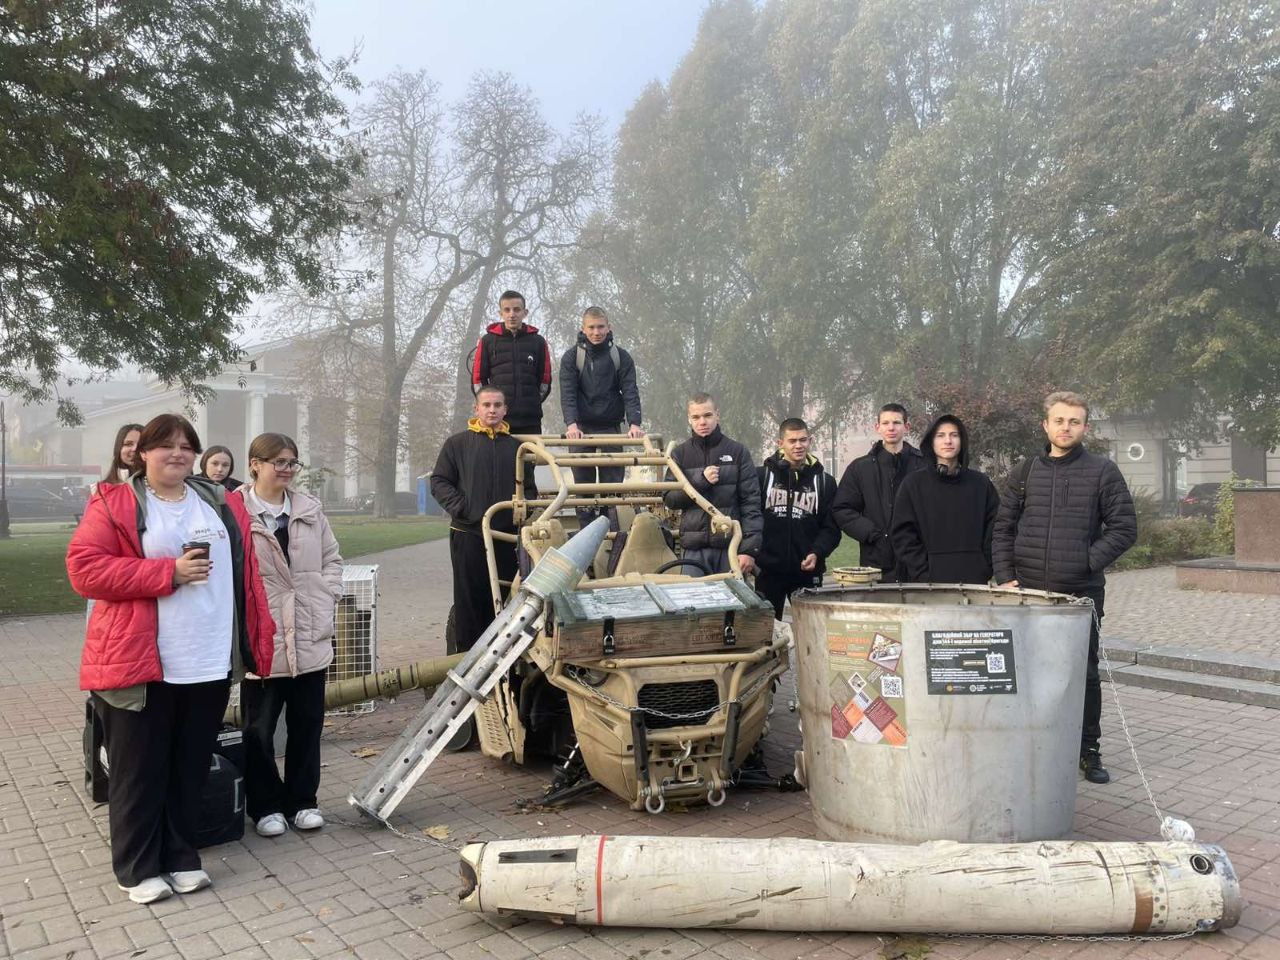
(659, 619)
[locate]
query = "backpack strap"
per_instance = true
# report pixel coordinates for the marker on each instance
(613, 355)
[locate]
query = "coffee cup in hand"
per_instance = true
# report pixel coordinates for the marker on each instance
(203, 547)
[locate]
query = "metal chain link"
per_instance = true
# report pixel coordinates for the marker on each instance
(1124, 724)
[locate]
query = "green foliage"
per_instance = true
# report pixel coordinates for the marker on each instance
(1224, 515)
(161, 162)
(962, 203)
(1169, 540)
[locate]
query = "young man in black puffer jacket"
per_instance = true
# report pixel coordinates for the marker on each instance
(513, 357)
(1066, 517)
(799, 531)
(721, 470)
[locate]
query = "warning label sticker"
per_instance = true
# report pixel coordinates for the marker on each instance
(970, 661)
(868, 702)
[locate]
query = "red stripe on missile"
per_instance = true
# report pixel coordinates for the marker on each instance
(600, 881)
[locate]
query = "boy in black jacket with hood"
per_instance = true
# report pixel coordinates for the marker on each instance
(945, 514)
(799, 531)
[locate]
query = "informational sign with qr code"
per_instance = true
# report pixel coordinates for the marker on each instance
(868, 697)
(970, 662)
(891, 687)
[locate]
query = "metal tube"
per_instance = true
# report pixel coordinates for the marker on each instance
(1048, 888)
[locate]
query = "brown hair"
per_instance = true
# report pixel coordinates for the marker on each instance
(701, 397)
(1070, 398)
(215, 449)
(595, 313)
(490, 388)
(113, 472)
(159, 429)
(267, 446)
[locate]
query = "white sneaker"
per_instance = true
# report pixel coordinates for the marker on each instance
(311, 819)
(189, 881)
(272, 825)
(148, 891)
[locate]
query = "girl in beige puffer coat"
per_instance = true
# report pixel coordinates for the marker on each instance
(302, 572)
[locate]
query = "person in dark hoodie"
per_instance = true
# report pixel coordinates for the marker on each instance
(598, 393)
(863, 507)
(513, 357)
(799, 532)
(476, 469)
(720, 469)
(945, 514)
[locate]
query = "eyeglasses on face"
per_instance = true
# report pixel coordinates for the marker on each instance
(284, 465)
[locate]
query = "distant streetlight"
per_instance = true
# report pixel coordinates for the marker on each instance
(4, 478)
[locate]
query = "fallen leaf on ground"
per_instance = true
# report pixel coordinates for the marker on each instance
(363, 752)
(439, 832)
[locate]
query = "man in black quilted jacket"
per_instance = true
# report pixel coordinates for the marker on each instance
(720, 469)
(1066, 516)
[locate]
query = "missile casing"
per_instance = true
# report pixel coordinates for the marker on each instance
(468, 684)
(383, 685)
(1045, 888)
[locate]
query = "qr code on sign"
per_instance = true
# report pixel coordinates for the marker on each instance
(995, 663)
(891, 687)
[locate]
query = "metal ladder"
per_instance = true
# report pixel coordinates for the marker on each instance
(471, 682)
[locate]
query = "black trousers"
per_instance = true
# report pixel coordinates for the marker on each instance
(302, 700)
(1091, 728)
(596, 474)
(159, 759)
(776, 587)
(472, 599)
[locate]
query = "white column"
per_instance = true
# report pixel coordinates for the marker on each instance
(404, 481)
(255, 416)
(200, 421)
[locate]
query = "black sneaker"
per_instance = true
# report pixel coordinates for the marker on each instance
(1091, 766)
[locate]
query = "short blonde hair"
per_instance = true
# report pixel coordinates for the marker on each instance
(1070, 398)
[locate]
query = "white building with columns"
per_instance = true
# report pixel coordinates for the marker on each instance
(265, 392)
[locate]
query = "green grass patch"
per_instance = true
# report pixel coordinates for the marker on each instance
(845, 555)
(33, 571)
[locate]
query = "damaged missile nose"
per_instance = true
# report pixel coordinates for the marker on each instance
(469, 868)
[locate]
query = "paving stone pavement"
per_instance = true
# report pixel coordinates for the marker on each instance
(356, 890)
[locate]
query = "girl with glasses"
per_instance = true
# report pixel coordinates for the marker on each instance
(302, 572)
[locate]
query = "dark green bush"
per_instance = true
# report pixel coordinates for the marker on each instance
(1170, 540)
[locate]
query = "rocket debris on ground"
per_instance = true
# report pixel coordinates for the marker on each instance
(466, 686)
(1047, 888)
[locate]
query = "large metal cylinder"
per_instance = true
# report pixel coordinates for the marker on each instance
(941, 712)
(788, 884)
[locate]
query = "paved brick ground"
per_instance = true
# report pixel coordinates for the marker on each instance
(1147, 606)
(353, 890)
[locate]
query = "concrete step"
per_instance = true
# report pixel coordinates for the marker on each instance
(1237, 666)
(1259, 693)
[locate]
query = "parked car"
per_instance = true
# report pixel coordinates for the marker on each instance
(1200, 501)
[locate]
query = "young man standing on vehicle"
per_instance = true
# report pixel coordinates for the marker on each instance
(598, 393)
(720, 469)
(863, 507)
(1067, 515)
(476, 469)
(513, 357)
(799, 531)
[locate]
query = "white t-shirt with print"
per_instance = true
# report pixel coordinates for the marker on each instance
(197, 619)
